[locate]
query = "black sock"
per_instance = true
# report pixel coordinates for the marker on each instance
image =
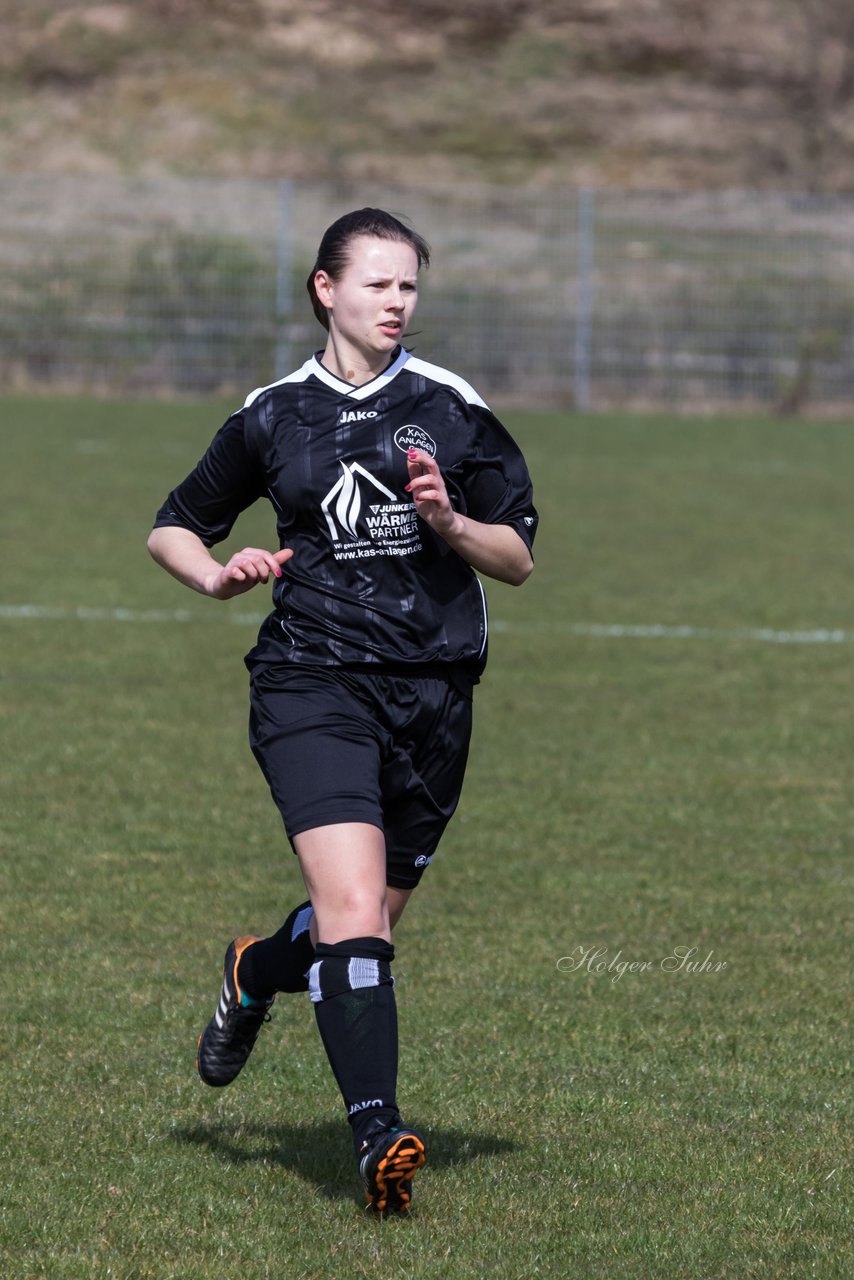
(353, 994)
(281, 962)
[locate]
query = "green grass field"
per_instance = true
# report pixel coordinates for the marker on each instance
(630, 793)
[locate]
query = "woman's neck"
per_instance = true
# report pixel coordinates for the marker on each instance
(354, 367)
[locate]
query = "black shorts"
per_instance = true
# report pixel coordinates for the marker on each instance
(344, 746)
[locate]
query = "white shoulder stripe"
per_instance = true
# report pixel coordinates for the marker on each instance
(433, 372)
(299, 375)
(448, 379)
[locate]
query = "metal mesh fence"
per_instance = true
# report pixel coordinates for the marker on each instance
(722, 300)
(564, 299)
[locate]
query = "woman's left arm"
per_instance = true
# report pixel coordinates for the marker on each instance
(492, 549)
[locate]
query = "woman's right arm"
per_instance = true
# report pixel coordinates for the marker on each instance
(183, 554)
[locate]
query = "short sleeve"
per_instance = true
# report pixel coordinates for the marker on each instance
(227, 480)
(493, 477)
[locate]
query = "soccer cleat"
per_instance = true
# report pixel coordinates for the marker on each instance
(388, 1165)
(227, 1040)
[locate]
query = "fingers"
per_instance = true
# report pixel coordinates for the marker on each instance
(425, 478)
(427, 487)
(246, 568)
(419, 463)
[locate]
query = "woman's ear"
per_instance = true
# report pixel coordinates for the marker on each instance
(323, 287)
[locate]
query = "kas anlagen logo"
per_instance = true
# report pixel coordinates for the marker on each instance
(411, 436)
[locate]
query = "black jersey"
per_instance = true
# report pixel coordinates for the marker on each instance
(369, 584)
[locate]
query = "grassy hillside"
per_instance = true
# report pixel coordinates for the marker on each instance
(667, 93)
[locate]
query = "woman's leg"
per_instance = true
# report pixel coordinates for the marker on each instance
(350, 980)
(344, 869)
(350, 984)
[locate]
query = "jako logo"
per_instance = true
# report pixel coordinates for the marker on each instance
(365, 1106)
(413, 437)
(347, 499)
(356, 415)
(423, 860)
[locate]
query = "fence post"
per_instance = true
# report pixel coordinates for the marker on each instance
(284, 267)
(584, 297)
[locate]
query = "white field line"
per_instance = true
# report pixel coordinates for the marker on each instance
(616, 631)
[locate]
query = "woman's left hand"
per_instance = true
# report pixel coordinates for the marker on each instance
(427, 487)
(494, 549)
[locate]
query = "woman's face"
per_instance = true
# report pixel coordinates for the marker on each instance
(373, 300)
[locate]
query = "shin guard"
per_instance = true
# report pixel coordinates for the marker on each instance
(352, 989)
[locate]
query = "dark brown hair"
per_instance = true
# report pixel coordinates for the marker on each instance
(333, 255)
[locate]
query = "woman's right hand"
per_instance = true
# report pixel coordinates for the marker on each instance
(183, 554)
(244, 570)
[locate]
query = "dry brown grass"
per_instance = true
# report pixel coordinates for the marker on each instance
(673, 93)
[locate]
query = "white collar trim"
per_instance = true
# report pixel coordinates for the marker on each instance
(368, 388)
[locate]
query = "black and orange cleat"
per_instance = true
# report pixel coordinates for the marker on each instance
(389, 1162)
(227, 1040)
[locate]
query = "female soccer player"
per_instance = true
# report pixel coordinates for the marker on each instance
(393, 486)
